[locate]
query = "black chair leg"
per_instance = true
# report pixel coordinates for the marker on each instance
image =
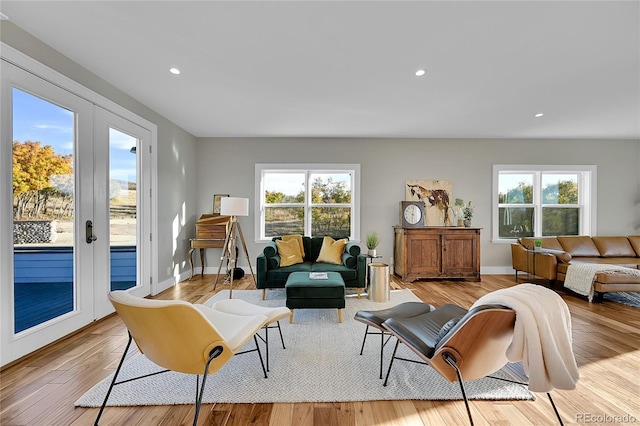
(381, 351)
(264, 370)
(452, 362)
(555, 409)
(393, 356)
(113, 382)
(266, 343)
(280, 331)
(215, 353)
(366, 331)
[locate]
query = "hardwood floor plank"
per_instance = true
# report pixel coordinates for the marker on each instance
(281, 415)
(41, 388)
(303, 414)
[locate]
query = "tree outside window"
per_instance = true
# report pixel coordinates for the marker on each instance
(539, 203)
(307, 202)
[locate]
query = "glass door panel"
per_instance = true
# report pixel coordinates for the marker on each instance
(47, 192)
(120, 179)
(123, 209)
(43, 210)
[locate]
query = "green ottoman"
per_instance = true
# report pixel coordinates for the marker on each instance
(306, 293)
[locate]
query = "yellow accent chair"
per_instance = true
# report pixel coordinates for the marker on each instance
(183, 337)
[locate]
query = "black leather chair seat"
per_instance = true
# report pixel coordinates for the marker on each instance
(423, 332)
(403, 310)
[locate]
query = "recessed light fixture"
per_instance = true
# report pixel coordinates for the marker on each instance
(538, 115)
(421, 72)
(175, 71)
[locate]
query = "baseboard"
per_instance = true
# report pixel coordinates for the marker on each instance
(169, 282)
(496, 270)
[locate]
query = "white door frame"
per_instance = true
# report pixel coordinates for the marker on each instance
(149, 266)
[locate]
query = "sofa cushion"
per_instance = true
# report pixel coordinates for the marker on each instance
(273, 262)
(271, 249)
(289, 252)
(332, 250)
(297, 238)
(614, 246)
(354, 249)
(578, 246)
(634, 240)
(315, 244)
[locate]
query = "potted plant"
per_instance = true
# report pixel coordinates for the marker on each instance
(537, 244)
(467, 213)
(372, 242)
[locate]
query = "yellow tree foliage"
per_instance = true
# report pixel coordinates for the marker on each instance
(34, 164)
(34, 169)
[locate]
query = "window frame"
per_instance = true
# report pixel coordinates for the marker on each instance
(587, 195)
(307, 169)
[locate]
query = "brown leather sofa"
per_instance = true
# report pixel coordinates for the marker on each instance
(557, 253)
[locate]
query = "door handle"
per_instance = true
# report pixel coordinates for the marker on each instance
(88, 228)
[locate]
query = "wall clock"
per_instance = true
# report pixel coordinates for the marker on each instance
(411, 214)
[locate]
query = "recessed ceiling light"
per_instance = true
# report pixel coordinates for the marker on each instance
(420, 73)
(538, 115)
(175, 71)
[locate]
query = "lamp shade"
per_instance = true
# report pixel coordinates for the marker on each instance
(234, 206)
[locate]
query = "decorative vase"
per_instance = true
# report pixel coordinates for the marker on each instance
(467, 223)
(460, 222)
(371, 252)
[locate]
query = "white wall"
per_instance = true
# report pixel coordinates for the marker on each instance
(227, 166)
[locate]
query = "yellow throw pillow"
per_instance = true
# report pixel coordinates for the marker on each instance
(298, 238)
(331, 251)
(289, 252)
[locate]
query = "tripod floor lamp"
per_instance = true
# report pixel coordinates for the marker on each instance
(234, 207)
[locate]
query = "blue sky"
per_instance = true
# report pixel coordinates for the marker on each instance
(37, 120)
(291, 183)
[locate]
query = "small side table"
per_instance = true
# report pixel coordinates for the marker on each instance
(202, 244)
(370, 259)
(533, 251)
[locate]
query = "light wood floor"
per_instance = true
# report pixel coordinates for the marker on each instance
(41, 389)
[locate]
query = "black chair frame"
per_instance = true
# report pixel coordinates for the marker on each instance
(215, 352)
(265, 339)
(450, 359)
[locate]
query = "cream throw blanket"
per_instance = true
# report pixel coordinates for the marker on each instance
(580, 276)
(542, 335)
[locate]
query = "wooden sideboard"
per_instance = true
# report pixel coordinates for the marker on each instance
(436, 252)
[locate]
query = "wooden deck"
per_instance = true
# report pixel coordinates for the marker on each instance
(43, 276)
(41, 388)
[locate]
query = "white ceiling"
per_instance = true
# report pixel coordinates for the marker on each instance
(346, 69)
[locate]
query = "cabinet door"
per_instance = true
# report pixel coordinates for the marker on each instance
(423, 255)
(459, 254)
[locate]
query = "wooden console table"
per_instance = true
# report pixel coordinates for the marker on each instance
(211, 231)
(436, 252)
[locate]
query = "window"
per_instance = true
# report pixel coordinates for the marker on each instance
(307, 199)
(540, 201)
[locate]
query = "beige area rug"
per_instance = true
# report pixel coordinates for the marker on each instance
(321, 363)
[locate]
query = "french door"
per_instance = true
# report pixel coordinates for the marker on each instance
(71, 217)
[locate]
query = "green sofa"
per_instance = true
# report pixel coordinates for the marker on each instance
(271, 275)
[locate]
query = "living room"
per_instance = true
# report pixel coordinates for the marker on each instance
(192, 165)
